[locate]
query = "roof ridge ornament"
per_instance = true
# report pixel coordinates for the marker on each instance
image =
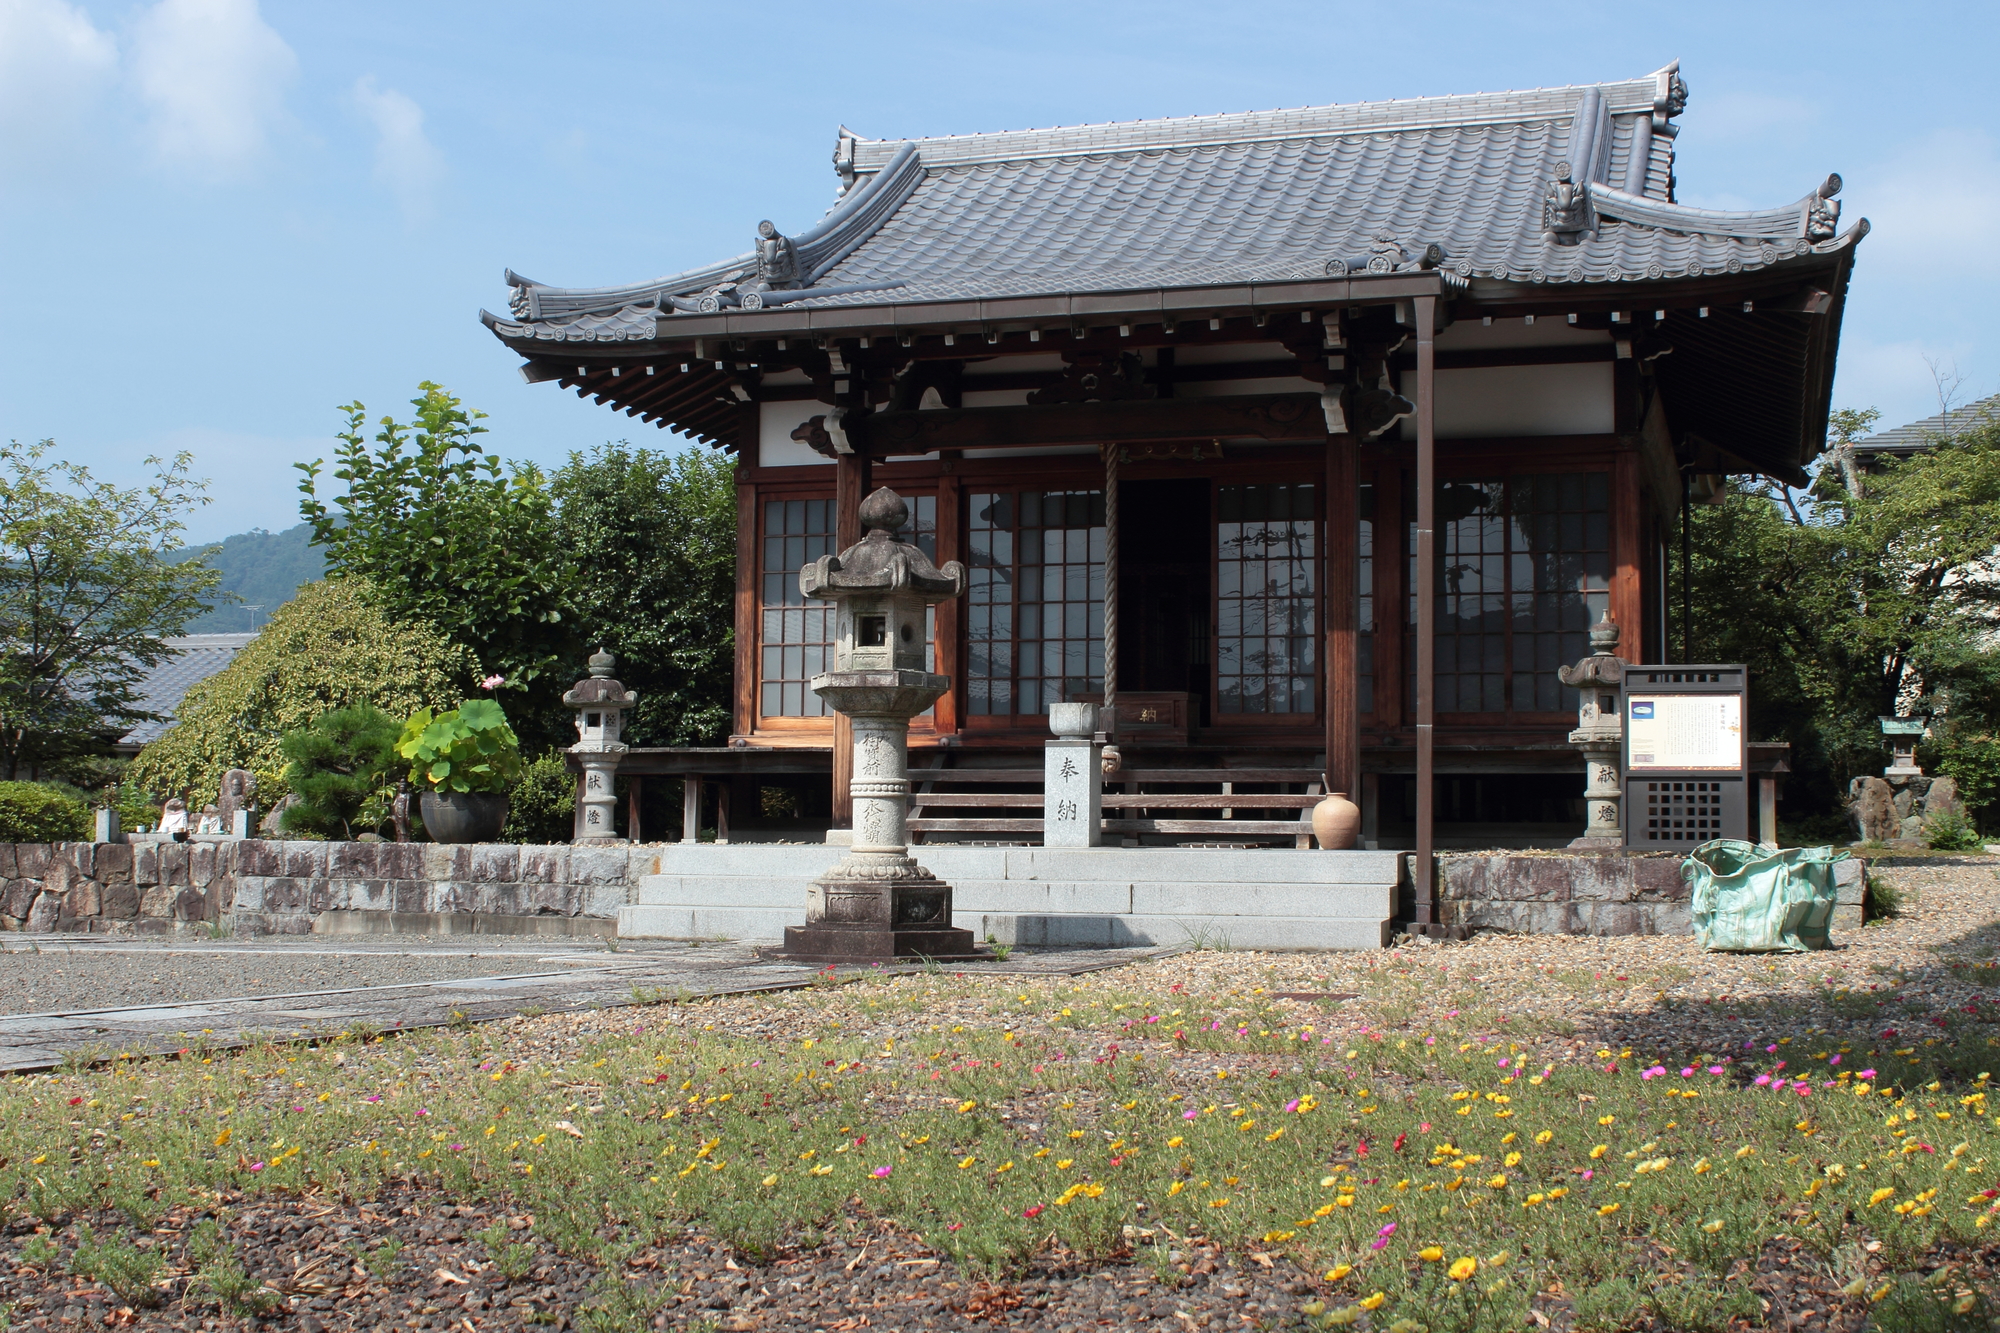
(778, 266)
(1565, 208)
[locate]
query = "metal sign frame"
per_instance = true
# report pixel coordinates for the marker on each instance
(1676, 809)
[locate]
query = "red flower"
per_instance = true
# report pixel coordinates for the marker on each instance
(1397, 1146)
(1036, 1211)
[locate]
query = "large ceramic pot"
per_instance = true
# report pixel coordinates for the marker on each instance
(475, 816)
(1336, 822)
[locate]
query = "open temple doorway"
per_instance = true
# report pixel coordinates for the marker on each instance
(1164, 604)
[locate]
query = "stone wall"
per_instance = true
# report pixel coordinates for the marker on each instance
(1592, 893)
(261, 887)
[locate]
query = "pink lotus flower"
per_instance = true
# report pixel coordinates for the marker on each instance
(492, 682)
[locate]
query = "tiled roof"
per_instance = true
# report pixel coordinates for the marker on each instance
(196, 658)
(1264, 196)
(1921, 435)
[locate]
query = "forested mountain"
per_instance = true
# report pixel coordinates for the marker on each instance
(259, 568)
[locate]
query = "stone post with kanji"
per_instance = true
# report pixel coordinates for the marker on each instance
(878, 903)
(1073, 779)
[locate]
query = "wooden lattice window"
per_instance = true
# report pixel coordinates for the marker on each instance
(1035, 611)
(1266, 650)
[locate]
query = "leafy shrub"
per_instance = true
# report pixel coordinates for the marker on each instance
(542, 806)
(341, 769)
(467, 749)
(326, 649)
(37, 812)
(1950, 831)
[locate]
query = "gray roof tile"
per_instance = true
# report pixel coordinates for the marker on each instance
(196, 658)
(1260, 196)
(1921, 435)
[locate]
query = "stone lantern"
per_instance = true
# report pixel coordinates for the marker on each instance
(1600, 733)
(600, 703)
(878, 903)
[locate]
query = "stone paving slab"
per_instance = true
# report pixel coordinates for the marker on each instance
(582, 978)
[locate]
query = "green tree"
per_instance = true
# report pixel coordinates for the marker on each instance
(654, 537)
(444, 534)
(331, 647)
(343, 769)
(1873, 593)
(88, 598)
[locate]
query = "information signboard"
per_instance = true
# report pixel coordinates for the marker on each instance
(1687, 757)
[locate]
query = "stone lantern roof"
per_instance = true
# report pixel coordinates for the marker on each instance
(882, 562)
(599, 687)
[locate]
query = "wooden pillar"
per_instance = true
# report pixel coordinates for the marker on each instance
(690, 809)
(1343, 698)
(1627, 597)
(851, 485)
(1391, 597)
(1426, 595)
(748, 622)
(945, 714)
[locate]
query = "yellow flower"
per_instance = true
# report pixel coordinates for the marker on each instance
(1274, 1136)
(1338, 1271)
(1496, 1183)
(1513, 1159)
(1701, 1167)
(967, 1162)
(1599, 1151)
(1175, 1141)
(1062, 1163)
(1374, 1302)
(222, 1139)
(963, 1107)
(770, 1180)
(1607, 1120)
(1218, 1203)
(1558, 1191)
(1430, 1254)
(1531, 1201)
(1176, 1187)
(1712, 1227)
(1462, 1269)
(1885, 1192)
(1545, 1136)
(822, 1170)
(1745, 1151)
(1608, 1209)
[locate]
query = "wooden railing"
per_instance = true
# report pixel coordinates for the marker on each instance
(1134, 803)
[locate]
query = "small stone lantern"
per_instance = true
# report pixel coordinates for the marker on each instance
(878, 903)
(1600, 733)
(600, 703)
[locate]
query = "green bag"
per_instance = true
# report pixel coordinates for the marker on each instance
(1751, 899)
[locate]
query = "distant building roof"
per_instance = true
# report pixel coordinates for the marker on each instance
(197, 657)
(1921, 435)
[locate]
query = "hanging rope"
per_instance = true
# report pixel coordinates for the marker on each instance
(1112, 758)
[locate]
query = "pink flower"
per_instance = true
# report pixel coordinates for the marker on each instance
(1292, 1105)
(1867, 1073)
(1763, 1079)
(1688, 1072)
(1834, 1061)
(1770, 1050)
(1588, 1173)
(882, 1172)
(1424, 1128)
(1715, 1069)
(1187, 1115)
(953, 1226)
(492, 682)
(256, 1166)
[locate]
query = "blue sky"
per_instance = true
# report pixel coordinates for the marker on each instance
(223, 218)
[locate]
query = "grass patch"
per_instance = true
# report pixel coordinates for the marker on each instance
(1450, 1177)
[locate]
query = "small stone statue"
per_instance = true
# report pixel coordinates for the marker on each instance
(399, 812)
(238, 792)
(174, 819)
(210, 822)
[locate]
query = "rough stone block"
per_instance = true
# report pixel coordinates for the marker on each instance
(495, 863)
(354, 860)
(119, 901)
(202, 861)
(114, 863)
(190, 905)
(437, 860)
(639, 863)
(452, 896)
(326, 895)
(145, 862)
(32, 859)
(156, 899)
(257, 857)
(302, 860)
(286, 894)
(601, 900)
(7, 865)
(81, 855)
(499, 899)
(399, 860)
(544, 865)
(369, 895)
(43, 913)
(221, 892)
(175, 858)
(553, 899)
(1850, 882)
(17, 896)
(412, 895)
(1846, 917)
(247, 893)
(83, 897)
(1516, 917)
(596, 865)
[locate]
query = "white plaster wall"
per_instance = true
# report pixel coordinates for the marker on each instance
(775, 445)
(1499, 402)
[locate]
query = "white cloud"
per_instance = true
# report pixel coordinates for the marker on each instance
(54, 67)
(213, 75)
(406, 161)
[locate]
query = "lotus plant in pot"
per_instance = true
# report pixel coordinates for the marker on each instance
(463, 761)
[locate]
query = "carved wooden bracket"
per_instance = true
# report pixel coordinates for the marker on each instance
(1098, 377)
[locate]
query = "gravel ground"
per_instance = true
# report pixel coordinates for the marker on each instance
(59, 977)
